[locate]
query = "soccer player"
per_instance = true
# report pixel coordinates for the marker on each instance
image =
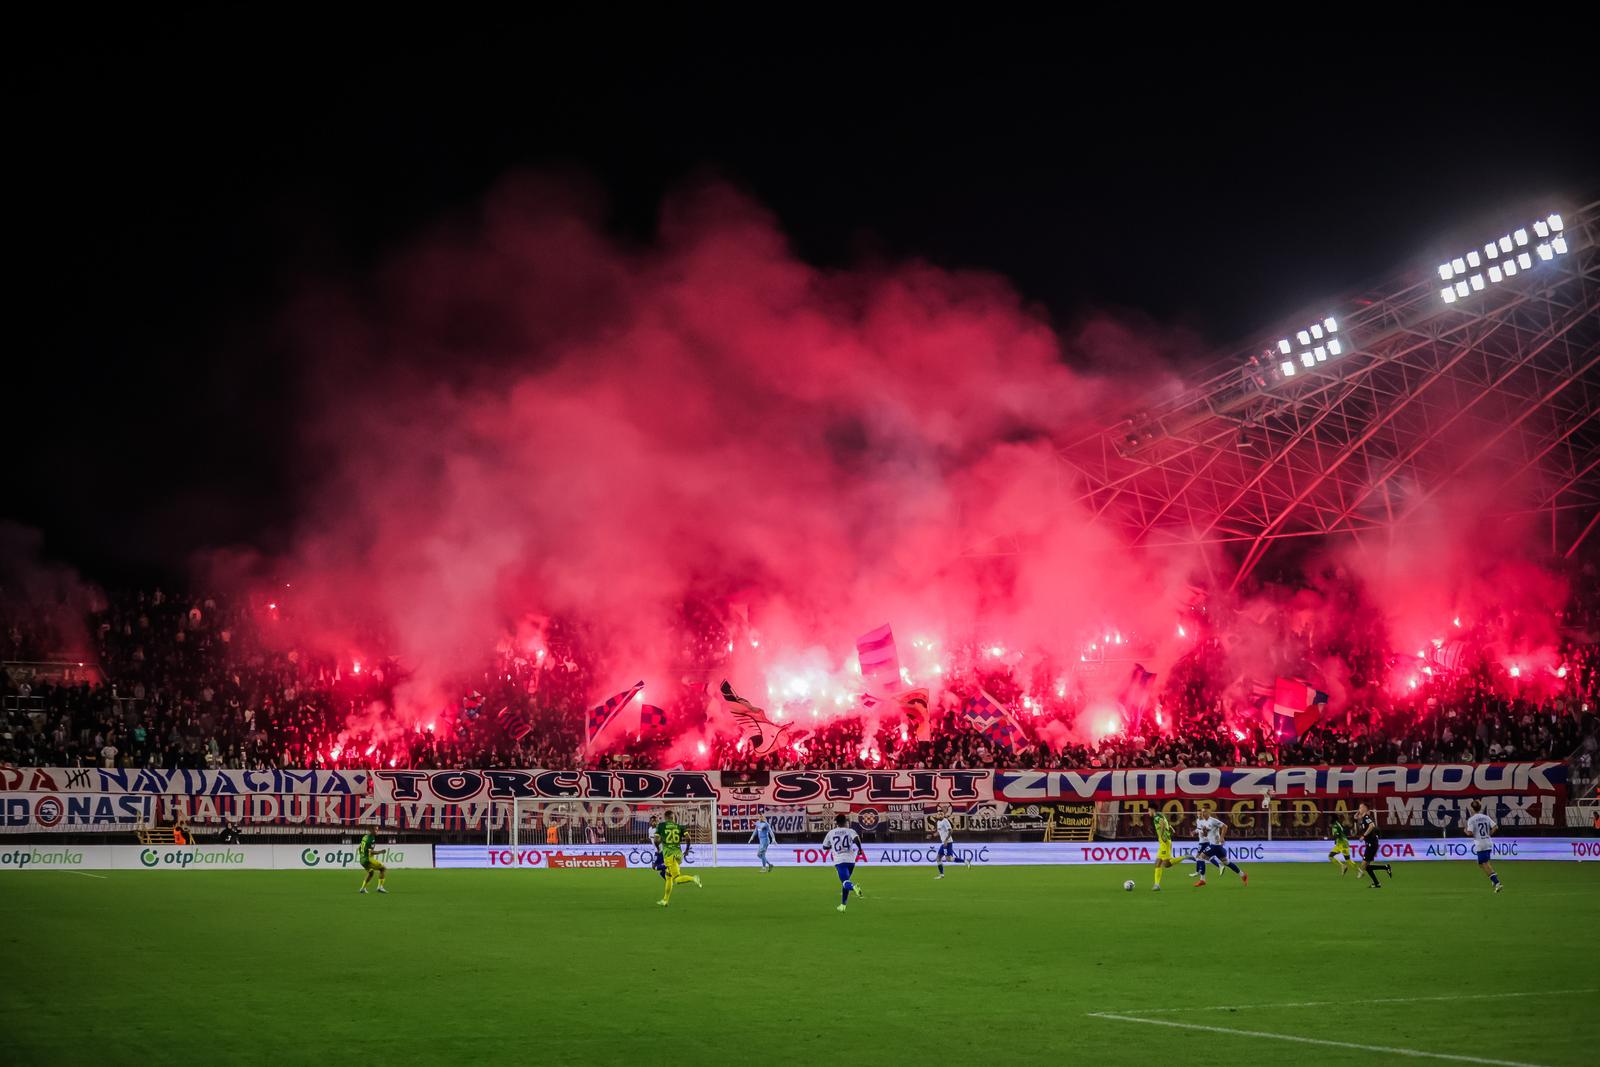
(947, 843)
(843, 844)
(1340, 853)
(1211, 833)
(670, 836)
(1163, 847)
(368, 854)
(1367, 827)
(657, 864)
(763, 837)
(1481, 829)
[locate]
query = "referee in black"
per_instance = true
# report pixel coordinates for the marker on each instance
(1367, 827)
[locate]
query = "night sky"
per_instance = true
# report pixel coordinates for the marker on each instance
(174, 190)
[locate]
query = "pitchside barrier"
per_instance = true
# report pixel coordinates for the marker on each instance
(999, 854)
(784, 854)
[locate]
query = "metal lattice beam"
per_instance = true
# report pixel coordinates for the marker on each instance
(1499, 390)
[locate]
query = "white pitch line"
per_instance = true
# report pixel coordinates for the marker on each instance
(84, 874)
(1373, 1000)
(1413, 1052)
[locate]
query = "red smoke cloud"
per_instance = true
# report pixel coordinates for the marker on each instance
(523, 418)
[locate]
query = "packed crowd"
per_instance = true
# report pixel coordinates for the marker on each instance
(182, 682)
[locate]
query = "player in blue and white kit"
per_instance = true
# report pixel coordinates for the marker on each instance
(763, 837)
(843, 845)
(1481, 829)
(1211, 833)
(947, 844)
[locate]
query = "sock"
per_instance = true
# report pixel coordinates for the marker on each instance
(1234, 867)
(1200, 867)
(1372, 872)
(666, 890)
(682, 878)
(1495, 878)
(941, 865)
(844, 892)
(1158, 876)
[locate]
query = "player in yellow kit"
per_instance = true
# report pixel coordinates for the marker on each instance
(670, 837)
(1163, 848)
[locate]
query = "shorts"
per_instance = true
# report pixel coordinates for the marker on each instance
(1341, 850)
(1485, 855)
(1164, 852)
(845, 870)
(371, 865)
(672, 865)
(947, 848)
(1371, 847)
(1212, 852)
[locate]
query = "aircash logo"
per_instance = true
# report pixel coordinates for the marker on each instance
(22, 858)
(192, 857)
(562, 861)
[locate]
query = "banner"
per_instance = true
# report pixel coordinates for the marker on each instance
(477, 801)
(994, 854)
(1546, 778)
(188, 783)
(205, 857)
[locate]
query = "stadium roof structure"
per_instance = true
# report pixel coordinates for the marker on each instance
(1480, 373)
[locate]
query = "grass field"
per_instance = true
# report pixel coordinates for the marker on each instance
(1006, 965)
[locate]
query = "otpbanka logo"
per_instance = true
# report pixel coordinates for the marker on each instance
(149, 857)
(310, 857)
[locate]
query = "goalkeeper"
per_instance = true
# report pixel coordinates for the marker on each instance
(670, 838)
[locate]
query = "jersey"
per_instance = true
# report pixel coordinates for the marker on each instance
(1163, 830)
(842, 845)
(764, 833)
(364, 849)
(1481, 827)
(669, 839)
(1340, 838)
(1208, 829)
(1367, 827)
(943, 827)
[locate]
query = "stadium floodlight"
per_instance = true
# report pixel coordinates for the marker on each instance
(1317, 343)
(1507, 257)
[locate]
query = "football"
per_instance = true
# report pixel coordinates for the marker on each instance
(1128, 885)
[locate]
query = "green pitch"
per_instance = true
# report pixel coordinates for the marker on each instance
(1004, 965)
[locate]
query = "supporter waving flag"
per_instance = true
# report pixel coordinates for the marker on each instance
(600, 717)
(989, 717)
